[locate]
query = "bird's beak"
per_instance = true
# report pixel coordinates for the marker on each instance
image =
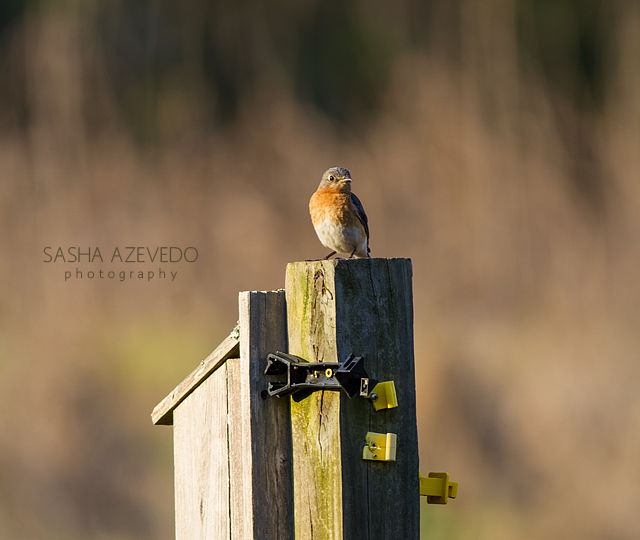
(346, 180)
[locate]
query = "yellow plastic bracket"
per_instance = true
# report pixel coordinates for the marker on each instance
(383, 396)
(380, 446)
(438, 488)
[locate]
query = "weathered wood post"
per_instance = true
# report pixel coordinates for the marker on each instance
(363, 307)
(248, 466)
(232, 448)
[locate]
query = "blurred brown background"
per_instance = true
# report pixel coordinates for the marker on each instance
(495, 142)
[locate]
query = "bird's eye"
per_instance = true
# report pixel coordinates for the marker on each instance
(331, 178)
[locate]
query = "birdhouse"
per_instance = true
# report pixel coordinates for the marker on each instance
(232, 456)
(302, 422)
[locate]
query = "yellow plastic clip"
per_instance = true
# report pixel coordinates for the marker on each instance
(383, 396)
(380, 446)
(438, 488)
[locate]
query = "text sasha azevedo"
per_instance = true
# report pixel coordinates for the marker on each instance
(125, 254)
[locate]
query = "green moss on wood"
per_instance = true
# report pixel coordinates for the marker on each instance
(365, 307)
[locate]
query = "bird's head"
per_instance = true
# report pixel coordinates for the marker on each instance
(336, 179)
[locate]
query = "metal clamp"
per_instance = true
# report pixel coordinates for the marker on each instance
(383, 396)
(380, 446)
(293, 375)
(299, 378)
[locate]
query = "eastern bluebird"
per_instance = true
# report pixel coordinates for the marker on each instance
(338, 216)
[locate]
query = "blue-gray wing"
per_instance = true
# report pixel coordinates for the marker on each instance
(362, 216)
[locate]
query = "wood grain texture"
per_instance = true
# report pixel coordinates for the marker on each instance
(163, 412)
(202, 462)
(260, 434)
(315, 421)
(363, 307)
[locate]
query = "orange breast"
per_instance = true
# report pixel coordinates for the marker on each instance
(337, 207)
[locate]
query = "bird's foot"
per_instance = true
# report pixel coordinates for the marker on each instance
(321, 259)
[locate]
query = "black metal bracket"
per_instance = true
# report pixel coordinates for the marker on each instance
(292, 375)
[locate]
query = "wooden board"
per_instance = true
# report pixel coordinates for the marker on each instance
(260, 434)
(163, 412)
(202, 461)
(232, 447)
(364, 307)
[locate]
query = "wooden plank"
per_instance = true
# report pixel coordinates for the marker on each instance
(259, 433)
(240, 488)
(163, 412)
(315, 421)
(202, 461)
(363, 307)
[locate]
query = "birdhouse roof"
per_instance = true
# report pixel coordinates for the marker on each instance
(229, 348)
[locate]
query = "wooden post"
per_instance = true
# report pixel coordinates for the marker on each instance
(260, 429)
(363, 307)
(232, 448)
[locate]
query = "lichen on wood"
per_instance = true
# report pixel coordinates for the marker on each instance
(365, 307)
